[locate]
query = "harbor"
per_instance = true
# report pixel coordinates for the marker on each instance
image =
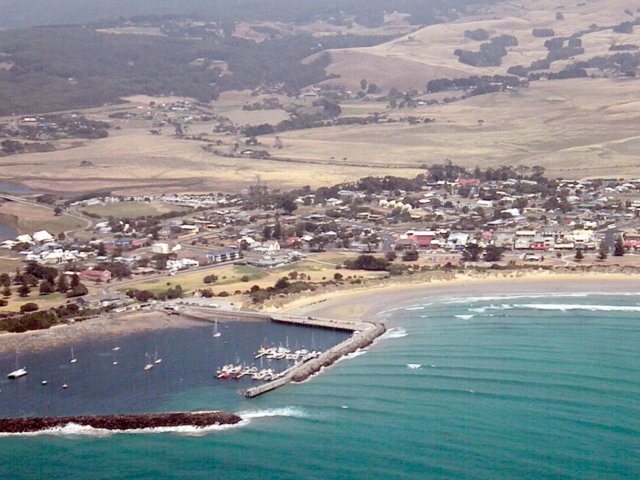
(363, 334)
(156, 370)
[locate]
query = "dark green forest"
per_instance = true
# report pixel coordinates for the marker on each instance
(60, 68)
(26, 13)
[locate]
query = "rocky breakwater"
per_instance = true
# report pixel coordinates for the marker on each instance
(121, 422)
(360, 340)
(364, 333)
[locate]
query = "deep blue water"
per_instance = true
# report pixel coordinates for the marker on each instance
(7, 232)
(508, 388)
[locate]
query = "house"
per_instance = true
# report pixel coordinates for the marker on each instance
(457, 241)
(219, 256)
(422, 238)
(42, 236)
(95, 275)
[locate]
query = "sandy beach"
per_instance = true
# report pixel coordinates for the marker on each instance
(344, 302)
(366, 302)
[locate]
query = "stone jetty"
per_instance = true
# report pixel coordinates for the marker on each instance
(121, 422)
(363, 335)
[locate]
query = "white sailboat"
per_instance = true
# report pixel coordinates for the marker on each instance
(216, 333)
(148, 366)
(21, 372)
(156, 360)
(73, 358)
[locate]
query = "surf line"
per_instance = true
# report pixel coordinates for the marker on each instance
(122, 422)
(363, 335)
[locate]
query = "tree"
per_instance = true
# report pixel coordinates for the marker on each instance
(603, 251)
(618, 248)
(46, 287)
(57, 211)
(579, 256)
(282, 283)
(410, 256)
(288, 205)
(17, 279)
(363, 84)
(161, 262)
(391, 255)
(7, 291)
(471, 253)
(28, 307)
(102, 250)
(75, 280)
(78, 291)
(24, 289)
(63, 285)
(277, 231)
(372, 242)
(492, 254)
(5, 280)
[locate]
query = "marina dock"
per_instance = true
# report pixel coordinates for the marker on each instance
(363, 335)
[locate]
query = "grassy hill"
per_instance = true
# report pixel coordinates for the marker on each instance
(412, 60)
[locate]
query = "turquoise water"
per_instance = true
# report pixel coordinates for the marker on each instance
(507, 388)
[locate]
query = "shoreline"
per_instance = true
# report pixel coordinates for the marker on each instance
(95, 328)
(368, 302)
(347, 304)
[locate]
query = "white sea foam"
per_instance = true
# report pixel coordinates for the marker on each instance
(464, 317)
(590, 308)
(422, 306)
(393, 333)
(73, 430)
(498, 298)
(358, 353)
(295, 412)
(504, 306)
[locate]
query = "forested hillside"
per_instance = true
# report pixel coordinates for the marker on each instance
(60, 68)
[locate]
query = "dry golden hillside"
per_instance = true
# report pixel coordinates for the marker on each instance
(414, 59)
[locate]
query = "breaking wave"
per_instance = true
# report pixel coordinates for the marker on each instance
(73, 430)
(295, 412)
(394, 333)
(589, 308)
(464, 317)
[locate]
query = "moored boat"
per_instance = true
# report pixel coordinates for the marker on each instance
(21, 372)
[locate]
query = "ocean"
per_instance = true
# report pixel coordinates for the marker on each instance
(501, 387)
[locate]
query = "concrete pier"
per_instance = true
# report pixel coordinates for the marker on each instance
(364, 333)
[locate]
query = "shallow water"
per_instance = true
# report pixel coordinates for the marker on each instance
(518, 388)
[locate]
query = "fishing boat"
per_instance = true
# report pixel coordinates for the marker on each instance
(43, 382)
(73, 358)
(115, 349)
(216, 333)
(21, 372)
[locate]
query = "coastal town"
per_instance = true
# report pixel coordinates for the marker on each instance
(258, 246)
